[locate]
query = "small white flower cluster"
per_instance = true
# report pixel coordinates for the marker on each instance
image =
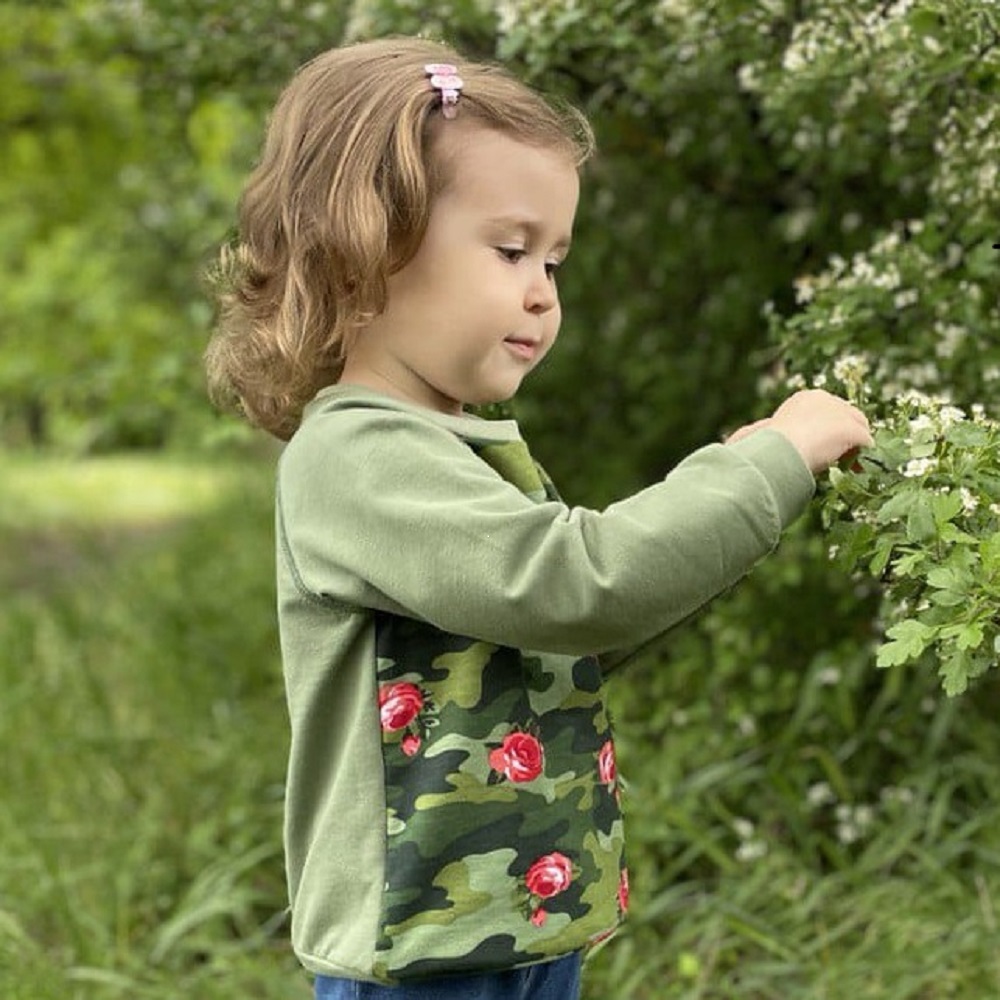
(805, 289)
(820, 794)
(532, 17)
(896, 794)
(135, 9)
(853, 822)
(950, 415)
(842, 39)
(923, 402)
(967, 149)
(749, 76)
(970, 502)
(751, 847)
(935, 415)
(674, 9)
(909, 379)
(828, 676)
(803, 49)
(852, 369)
(508, 14)
(950, 338)
(917, 467)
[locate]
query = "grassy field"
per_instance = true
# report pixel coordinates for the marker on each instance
(143, 728)
(144, 733)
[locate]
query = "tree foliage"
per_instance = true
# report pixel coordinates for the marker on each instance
(127, 128)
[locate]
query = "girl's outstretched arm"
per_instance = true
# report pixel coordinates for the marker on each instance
(386, 509)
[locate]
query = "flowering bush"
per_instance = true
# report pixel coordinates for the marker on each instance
(906, 321)
(921, 513)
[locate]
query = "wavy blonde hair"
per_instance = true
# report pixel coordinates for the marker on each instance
(340, 201)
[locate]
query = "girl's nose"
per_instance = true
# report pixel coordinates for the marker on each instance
(541, 295)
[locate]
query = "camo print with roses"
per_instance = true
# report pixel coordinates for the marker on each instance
(504, 833)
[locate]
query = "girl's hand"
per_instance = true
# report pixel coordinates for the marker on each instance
(823, 427)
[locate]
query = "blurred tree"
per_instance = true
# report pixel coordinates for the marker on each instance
(126, 129)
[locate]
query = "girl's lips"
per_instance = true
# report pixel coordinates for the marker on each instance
(526, 349)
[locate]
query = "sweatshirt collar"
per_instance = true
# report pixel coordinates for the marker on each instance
(465, 425)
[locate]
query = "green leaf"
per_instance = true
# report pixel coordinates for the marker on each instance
(910, 563)
(926, 22)
(948, 578)
(967, 435)
(883, 551)
(955, 674)
(967, 636)
(921, 525)
(897, 506)
(971, 637)
(910, 639)
(945, 506)
(951, 534)
(948, 598)
(989, 552)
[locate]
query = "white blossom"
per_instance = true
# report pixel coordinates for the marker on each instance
(751, 850)
(950, 415)
(921, 422)
(851, 369)
(970, 502)
(820, 794)
(917, 467)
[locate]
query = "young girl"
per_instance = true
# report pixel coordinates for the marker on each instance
(453, 826)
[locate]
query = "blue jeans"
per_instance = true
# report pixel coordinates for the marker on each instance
(556, 980)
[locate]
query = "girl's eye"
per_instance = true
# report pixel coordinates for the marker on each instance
(514, 254)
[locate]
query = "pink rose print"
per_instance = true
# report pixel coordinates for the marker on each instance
(410, 744)
(398, 705)
(549, 875)
(518, 758)
(623, 891)
(606, 766)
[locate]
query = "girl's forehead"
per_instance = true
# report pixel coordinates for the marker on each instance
(493, 169)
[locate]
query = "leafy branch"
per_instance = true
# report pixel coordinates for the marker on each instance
(920, 512)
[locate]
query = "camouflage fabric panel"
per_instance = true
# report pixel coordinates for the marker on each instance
(513, 462)
(504, 834)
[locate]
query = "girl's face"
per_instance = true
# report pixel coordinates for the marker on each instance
(477, 307)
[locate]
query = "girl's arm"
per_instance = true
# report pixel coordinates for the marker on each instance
(385, 509)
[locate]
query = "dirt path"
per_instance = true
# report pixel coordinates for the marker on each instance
(44, 560)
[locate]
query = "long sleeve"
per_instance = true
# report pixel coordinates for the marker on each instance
(386, 509)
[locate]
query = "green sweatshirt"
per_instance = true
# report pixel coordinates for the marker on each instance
(452, 799)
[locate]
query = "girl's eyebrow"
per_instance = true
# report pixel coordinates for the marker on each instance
(533, 228)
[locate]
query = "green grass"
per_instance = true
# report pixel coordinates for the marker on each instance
(109, 491)
(144, 735)
(144, 728)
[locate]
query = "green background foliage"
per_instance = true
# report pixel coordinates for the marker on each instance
(788, 193)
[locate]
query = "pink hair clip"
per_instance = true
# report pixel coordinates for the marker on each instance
(444, 77)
